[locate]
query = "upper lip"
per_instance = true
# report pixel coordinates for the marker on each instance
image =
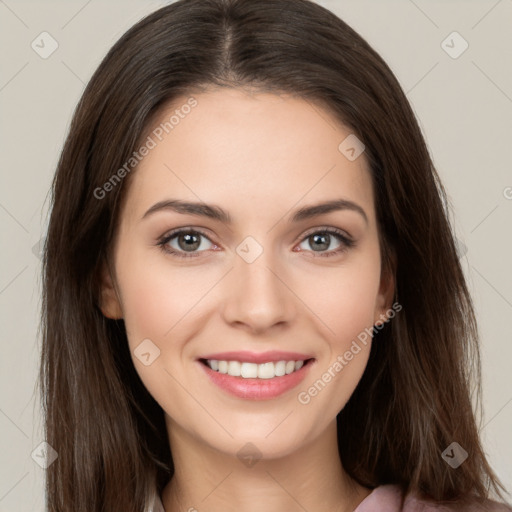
(271, 356)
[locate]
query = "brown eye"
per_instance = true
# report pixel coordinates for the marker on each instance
(319, 242)
(322, 242)
(189, 241)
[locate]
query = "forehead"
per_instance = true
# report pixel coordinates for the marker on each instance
(237, 148)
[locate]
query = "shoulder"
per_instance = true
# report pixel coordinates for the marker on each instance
(415, 504)
(388, 498)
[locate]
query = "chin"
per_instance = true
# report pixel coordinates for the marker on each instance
(262, 438)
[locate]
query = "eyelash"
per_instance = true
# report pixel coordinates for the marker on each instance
(347, 243)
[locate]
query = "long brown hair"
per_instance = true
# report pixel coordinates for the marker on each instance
(415, 397)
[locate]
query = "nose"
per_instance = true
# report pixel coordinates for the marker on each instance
(257, 296)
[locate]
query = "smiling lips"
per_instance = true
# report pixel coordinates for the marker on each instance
(256, 376)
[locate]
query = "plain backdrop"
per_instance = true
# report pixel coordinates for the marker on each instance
(463, 100)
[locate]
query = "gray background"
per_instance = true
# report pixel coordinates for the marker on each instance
(464, 105)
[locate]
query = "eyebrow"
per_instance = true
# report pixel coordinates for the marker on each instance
(217, 213)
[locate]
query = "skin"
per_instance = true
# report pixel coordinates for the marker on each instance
(260, 157)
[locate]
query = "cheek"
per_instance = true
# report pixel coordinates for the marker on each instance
(157, 297)
(345, 298)
(162, 303)
(158, 305)
(346, 309)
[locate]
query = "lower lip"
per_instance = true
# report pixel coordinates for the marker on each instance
(256, 389)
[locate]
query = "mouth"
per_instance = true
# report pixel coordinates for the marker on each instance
(256, 376)
(247, 370)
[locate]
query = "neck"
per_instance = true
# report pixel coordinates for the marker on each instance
(310, 479)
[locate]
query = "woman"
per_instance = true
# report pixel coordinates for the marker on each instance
(252, 296)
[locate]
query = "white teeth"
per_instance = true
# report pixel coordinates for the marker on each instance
(280, 368)
(253, 370)
(234, 368)
(249, 370)
(266, 371)
(223, 367)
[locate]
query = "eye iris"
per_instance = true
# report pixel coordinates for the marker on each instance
(192, 241)
(321, 241)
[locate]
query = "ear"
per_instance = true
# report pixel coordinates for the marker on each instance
(385, 296)
(109, 302)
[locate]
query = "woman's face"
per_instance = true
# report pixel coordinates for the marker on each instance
(261, 272)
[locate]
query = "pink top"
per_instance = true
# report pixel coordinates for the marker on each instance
(387, 498)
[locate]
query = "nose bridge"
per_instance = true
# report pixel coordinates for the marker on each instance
(257, 295)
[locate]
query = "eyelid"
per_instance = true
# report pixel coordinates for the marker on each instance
(166, 238)
(324, 229)
(345, 239)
